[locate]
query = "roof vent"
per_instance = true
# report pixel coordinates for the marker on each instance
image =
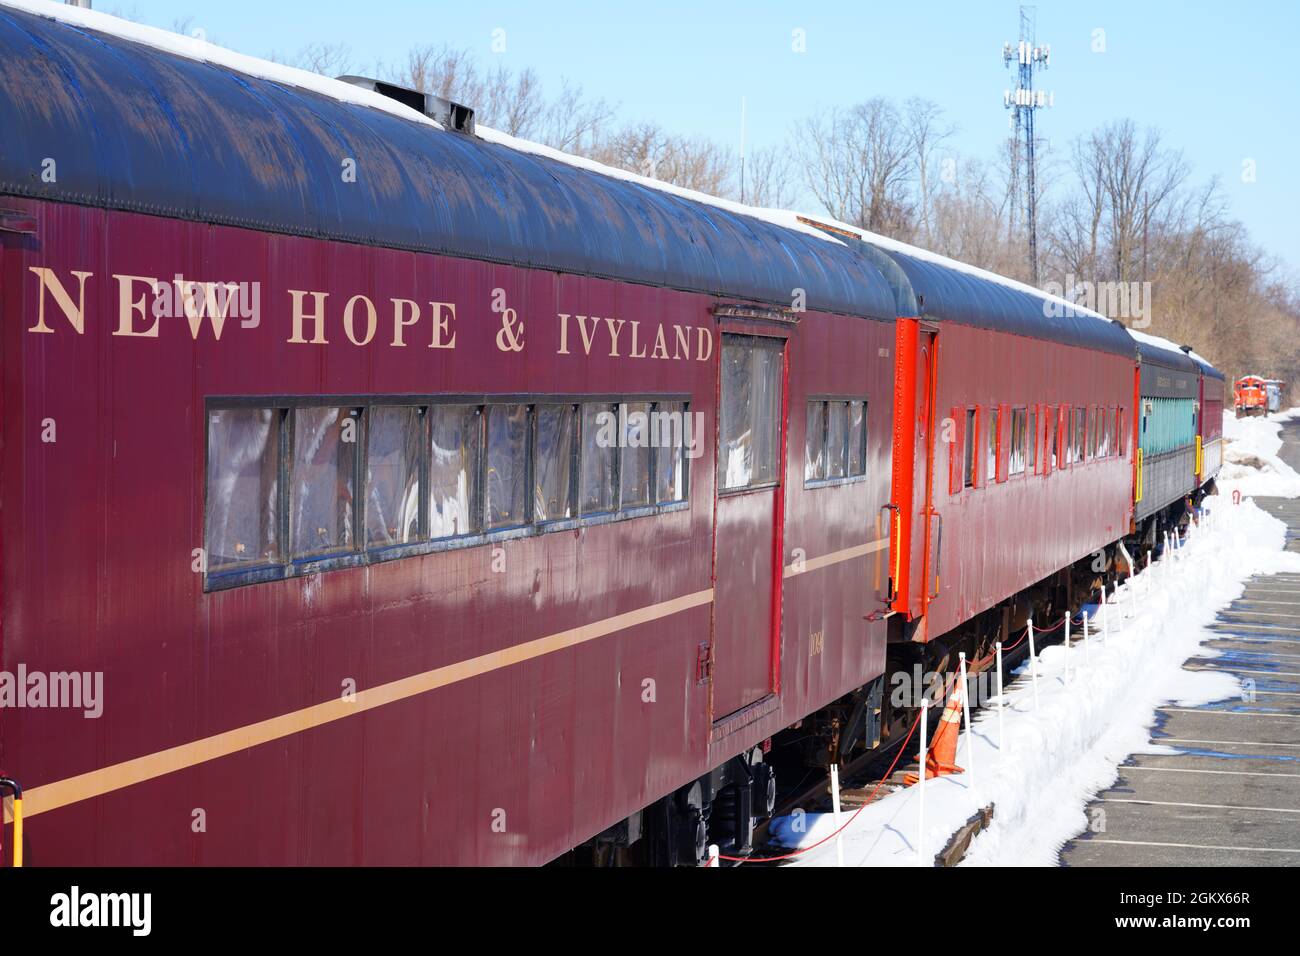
(1186, 348)
(453, 116)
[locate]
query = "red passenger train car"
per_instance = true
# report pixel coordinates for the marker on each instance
(381, 490)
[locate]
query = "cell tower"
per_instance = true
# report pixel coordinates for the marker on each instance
(1023, 101)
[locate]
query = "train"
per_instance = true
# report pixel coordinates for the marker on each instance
(378, 489)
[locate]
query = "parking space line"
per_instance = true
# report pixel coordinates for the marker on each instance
(1227, 773)
(1235, 670)
(1199, 806)
(1226, 743)
(1226, 713)
(1193, 846)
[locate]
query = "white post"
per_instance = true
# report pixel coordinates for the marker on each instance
(970, 730)
(835, 810)
(920, 785)
(1105, 615)
(714, 860)
(1066, 646)
(1085, 637)
(1002, 737)
(1147, 575)
(1033, 661)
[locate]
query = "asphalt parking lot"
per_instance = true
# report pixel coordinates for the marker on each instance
(1230, 796)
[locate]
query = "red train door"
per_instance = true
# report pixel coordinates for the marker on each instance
(752, 411)
(927, 435)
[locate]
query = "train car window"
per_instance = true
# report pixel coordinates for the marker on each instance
(242, 506)
(454, 470)
(954, 450)
(1032, 435)
(599, 485)
(1016, 451)
(814, 456)
(322, 480)
(554, 444)
(1120, 430)
(1063, 434)
(1049, 443)
(991, 436)
(837, 439)
(669, 426)
(971, 436)
(1080, 432)
(857, 439)
(394, 461)
(505, 485)
(749, 426)
(634, 469)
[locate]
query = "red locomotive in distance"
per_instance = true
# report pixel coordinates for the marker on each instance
(1250, 396)
(378, 489)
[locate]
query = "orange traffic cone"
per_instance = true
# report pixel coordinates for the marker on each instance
(943, 745)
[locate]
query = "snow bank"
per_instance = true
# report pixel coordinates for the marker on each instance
(1250, 456)
(1067, 749)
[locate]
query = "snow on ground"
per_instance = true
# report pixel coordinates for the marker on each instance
(1064, 750)
(1250, 461)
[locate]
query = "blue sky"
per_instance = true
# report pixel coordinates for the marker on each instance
(1220, 79)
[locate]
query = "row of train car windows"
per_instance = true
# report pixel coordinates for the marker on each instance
(836, 443)
(311, 483)
(1037, 439)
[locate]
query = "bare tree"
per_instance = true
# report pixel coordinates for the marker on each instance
(858, 164)
(327, 59)
(769, 178)
(647, 149)
(926, 133)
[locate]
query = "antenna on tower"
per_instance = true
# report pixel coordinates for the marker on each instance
(1023, 101)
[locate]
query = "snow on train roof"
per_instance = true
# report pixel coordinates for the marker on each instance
(153, 123)
(1164, 352)
(195, 48)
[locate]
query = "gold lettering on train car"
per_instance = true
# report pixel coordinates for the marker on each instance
(372, 320)
(128, 308)
(444, 313)
(632, 352)
(682, 335)
(588, 337)
(705, 338)
(76, 315)
(661, 345)
(200, 299)
(615, 327)
(412, 309)
(317, 317)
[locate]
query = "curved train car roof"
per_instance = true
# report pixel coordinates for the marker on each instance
(954, 293)
(1154, 350)
(141, 128)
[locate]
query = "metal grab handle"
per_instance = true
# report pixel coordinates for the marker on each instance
(17, 789)
(938, 555)
(892, 508)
